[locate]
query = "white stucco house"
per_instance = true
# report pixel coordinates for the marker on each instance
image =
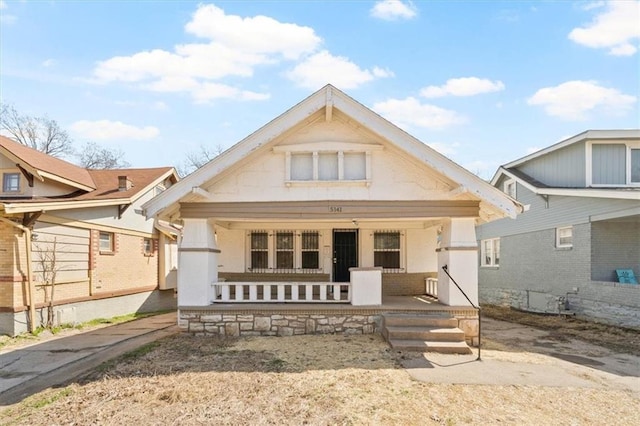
(328, 204)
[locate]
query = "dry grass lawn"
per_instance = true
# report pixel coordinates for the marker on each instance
(317, 380)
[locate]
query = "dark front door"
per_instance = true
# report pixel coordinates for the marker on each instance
(345, 253)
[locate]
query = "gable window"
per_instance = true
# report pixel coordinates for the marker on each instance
(386, 250)
(564, 237)
(11, 182)
(328, 166)
(106, 242)
(490, 252)
(510, 188)
(635, 165)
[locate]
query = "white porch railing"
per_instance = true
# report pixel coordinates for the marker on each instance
(431, 287)
(281, 292)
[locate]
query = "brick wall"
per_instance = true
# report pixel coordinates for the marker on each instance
(127, 268)
(408, 284)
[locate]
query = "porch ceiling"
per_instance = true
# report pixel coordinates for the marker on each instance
(331, 210)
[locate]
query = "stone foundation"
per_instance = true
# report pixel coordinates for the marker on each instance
(276, 324)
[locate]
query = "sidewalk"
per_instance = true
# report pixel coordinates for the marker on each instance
(30, 369)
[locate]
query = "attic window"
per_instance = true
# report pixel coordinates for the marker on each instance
(328, 166)
(510, 188)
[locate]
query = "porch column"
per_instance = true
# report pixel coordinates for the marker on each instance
(459, 251)
(198, 263)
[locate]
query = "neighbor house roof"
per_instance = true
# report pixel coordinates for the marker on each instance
(512, 171)
(329, 98)
(42, 166)
(103, 189)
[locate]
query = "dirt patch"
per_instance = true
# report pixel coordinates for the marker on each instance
(562, 328)
(319, 380)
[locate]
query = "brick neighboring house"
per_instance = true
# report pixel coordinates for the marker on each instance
(109, 259)
(581, 226)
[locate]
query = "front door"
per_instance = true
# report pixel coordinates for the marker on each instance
(345, 253)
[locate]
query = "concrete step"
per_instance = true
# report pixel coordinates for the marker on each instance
(434, 334)
(460, 348)
(419, 320)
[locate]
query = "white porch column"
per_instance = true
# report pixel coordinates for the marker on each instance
(198, 263)
(459, 251)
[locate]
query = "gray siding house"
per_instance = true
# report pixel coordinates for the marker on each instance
(580, 226)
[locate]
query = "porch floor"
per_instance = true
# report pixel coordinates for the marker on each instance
(416, 304)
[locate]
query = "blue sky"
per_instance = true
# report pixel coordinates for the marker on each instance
(483, 82)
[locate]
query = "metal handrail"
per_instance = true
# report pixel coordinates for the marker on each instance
(445, 268)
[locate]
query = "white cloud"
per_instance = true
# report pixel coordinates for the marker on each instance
(411, 112)
(322, 68)
(112, 130)
(465, 86)
(573, 100)
(234, 47)
(48, 62)
(3, 4)
(391, 10)
(6, 18)
(616, 28)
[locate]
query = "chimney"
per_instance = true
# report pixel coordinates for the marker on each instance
(124, 184)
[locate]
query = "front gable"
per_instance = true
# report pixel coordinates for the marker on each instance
(330, 147)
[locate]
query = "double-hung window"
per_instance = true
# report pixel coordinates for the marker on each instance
(310, 250)
(106, 244)
(11, 182)
(564, 237)
(259, 250)
(386, 250)
(490, 252)
(284, 250)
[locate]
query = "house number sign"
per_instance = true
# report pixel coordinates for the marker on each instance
(335, 209)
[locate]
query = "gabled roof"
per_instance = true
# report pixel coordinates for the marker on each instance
(511, 171)
(42, 166)
(581, 137)
(328, 98)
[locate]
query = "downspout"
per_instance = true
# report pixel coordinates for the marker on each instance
(30, 287)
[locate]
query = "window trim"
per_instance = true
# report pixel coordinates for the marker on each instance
(112, 242)
(5, 180)
(560, 245)
(152, 246)
(399, 250)
(272, 251)
(510, 183)
(589, 162)
(495, 249)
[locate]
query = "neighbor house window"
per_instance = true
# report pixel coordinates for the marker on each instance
(106, 242)
(148, 246)
(310, 255)
(635, 165)
(11, 182)
(564, 237)
(284, 251)
(490, 252)
(386, 249)
(510, 188)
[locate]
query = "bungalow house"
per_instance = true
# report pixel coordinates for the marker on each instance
(311, 223)
(577, 246)
(82, 230)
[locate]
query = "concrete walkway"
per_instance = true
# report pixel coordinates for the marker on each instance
(30, 369)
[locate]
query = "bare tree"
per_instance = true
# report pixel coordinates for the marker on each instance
(48, 265)
(94, 156)
(196, 159)
(41, 133)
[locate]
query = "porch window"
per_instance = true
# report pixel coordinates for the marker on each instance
(386, 250)
(284, 250)
(310, 250)
(564, 237)
(490, 252)
(259, 250)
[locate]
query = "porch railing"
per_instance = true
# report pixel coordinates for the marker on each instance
(289, 292)
(431, 287)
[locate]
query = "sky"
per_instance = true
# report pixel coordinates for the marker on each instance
(482, 82)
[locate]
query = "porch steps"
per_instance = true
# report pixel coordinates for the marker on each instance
(424, 333)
